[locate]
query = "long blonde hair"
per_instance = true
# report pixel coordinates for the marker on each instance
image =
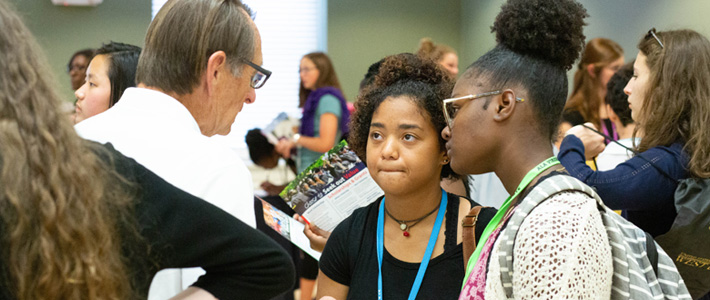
(585, 99)
(60, 207)
(677, 103)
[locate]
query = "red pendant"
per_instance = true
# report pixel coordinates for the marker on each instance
(405, 233)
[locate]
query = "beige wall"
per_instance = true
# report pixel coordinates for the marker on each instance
(361, 32)
(61, 31)
(622, 21)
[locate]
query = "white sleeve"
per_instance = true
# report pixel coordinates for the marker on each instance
(232, 190)
(562, 251)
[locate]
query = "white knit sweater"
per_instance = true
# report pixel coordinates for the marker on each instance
(561, 252)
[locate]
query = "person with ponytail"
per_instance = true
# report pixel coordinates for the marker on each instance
(503, 116)
(441, 54)
(78, 220)
(601, 58)
(411, 232)
(325, 113)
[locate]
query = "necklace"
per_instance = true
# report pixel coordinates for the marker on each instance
(403, 224)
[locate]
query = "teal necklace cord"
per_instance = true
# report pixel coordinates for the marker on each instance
(427, 254)
(495, 222)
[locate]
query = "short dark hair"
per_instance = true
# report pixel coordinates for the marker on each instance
(259, 146)
(88, 53)
(123, 60)
(185, 33)
(538, 41)
(406, 74)
(615, 96)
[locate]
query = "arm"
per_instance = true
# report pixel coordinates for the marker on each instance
(184, 231)
(562, 251)
(634, 184)
(329, 287)
(326, 139)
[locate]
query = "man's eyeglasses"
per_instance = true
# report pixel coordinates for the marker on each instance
(652, 33)
(450, 107)
(260, 77)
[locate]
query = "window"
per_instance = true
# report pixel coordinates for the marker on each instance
(289, 29)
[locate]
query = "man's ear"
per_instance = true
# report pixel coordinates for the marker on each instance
(504, 105)
(216, 63)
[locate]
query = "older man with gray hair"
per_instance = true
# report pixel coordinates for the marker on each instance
(200, 64)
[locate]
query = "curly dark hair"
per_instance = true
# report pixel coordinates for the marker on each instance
(402, 75)
(615, 96)
(538, 41)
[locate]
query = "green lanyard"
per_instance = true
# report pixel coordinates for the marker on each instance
(493, 224)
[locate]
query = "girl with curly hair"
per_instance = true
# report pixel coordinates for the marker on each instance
(80, 221)
(405, 243)
(503, 118)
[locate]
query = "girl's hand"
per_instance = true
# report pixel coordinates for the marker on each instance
(593, 142)
(318, 237)
(284, 148)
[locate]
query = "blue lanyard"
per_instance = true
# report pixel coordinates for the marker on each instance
(427, 255)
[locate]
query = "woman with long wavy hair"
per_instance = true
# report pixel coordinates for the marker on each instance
(601, 58)
(669, 98)
(80, 221)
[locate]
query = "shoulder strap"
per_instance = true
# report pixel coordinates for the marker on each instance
(468, 232)
(652, 252)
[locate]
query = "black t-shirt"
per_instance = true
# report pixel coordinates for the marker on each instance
(350, 258)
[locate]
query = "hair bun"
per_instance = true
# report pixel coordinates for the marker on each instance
(551, 30)
(407, 66)
(426, 47)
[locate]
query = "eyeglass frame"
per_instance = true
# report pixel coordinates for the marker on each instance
(652, 32)
(259, 71)
(449, 120)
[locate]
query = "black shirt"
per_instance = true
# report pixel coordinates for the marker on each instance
(350, 258)
(179, 230)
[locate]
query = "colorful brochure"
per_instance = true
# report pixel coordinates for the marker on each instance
(288, 227)
(331, 188)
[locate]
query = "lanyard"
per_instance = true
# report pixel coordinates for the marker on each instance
(493, 224)
(427, 254)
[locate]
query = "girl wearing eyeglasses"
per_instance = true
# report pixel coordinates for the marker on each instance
(507, 113)
(325, 113)
(404, 244)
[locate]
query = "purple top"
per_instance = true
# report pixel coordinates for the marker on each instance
(309, 110)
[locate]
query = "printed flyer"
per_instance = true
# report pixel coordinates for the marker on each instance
(288, 227)
(331, 188)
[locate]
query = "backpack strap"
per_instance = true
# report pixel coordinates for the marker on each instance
(468, 232)
(652, 252)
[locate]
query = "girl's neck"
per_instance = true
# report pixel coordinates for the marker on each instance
(518, 162)
(414, 203)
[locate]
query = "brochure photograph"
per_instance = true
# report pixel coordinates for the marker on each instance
(331, 188)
